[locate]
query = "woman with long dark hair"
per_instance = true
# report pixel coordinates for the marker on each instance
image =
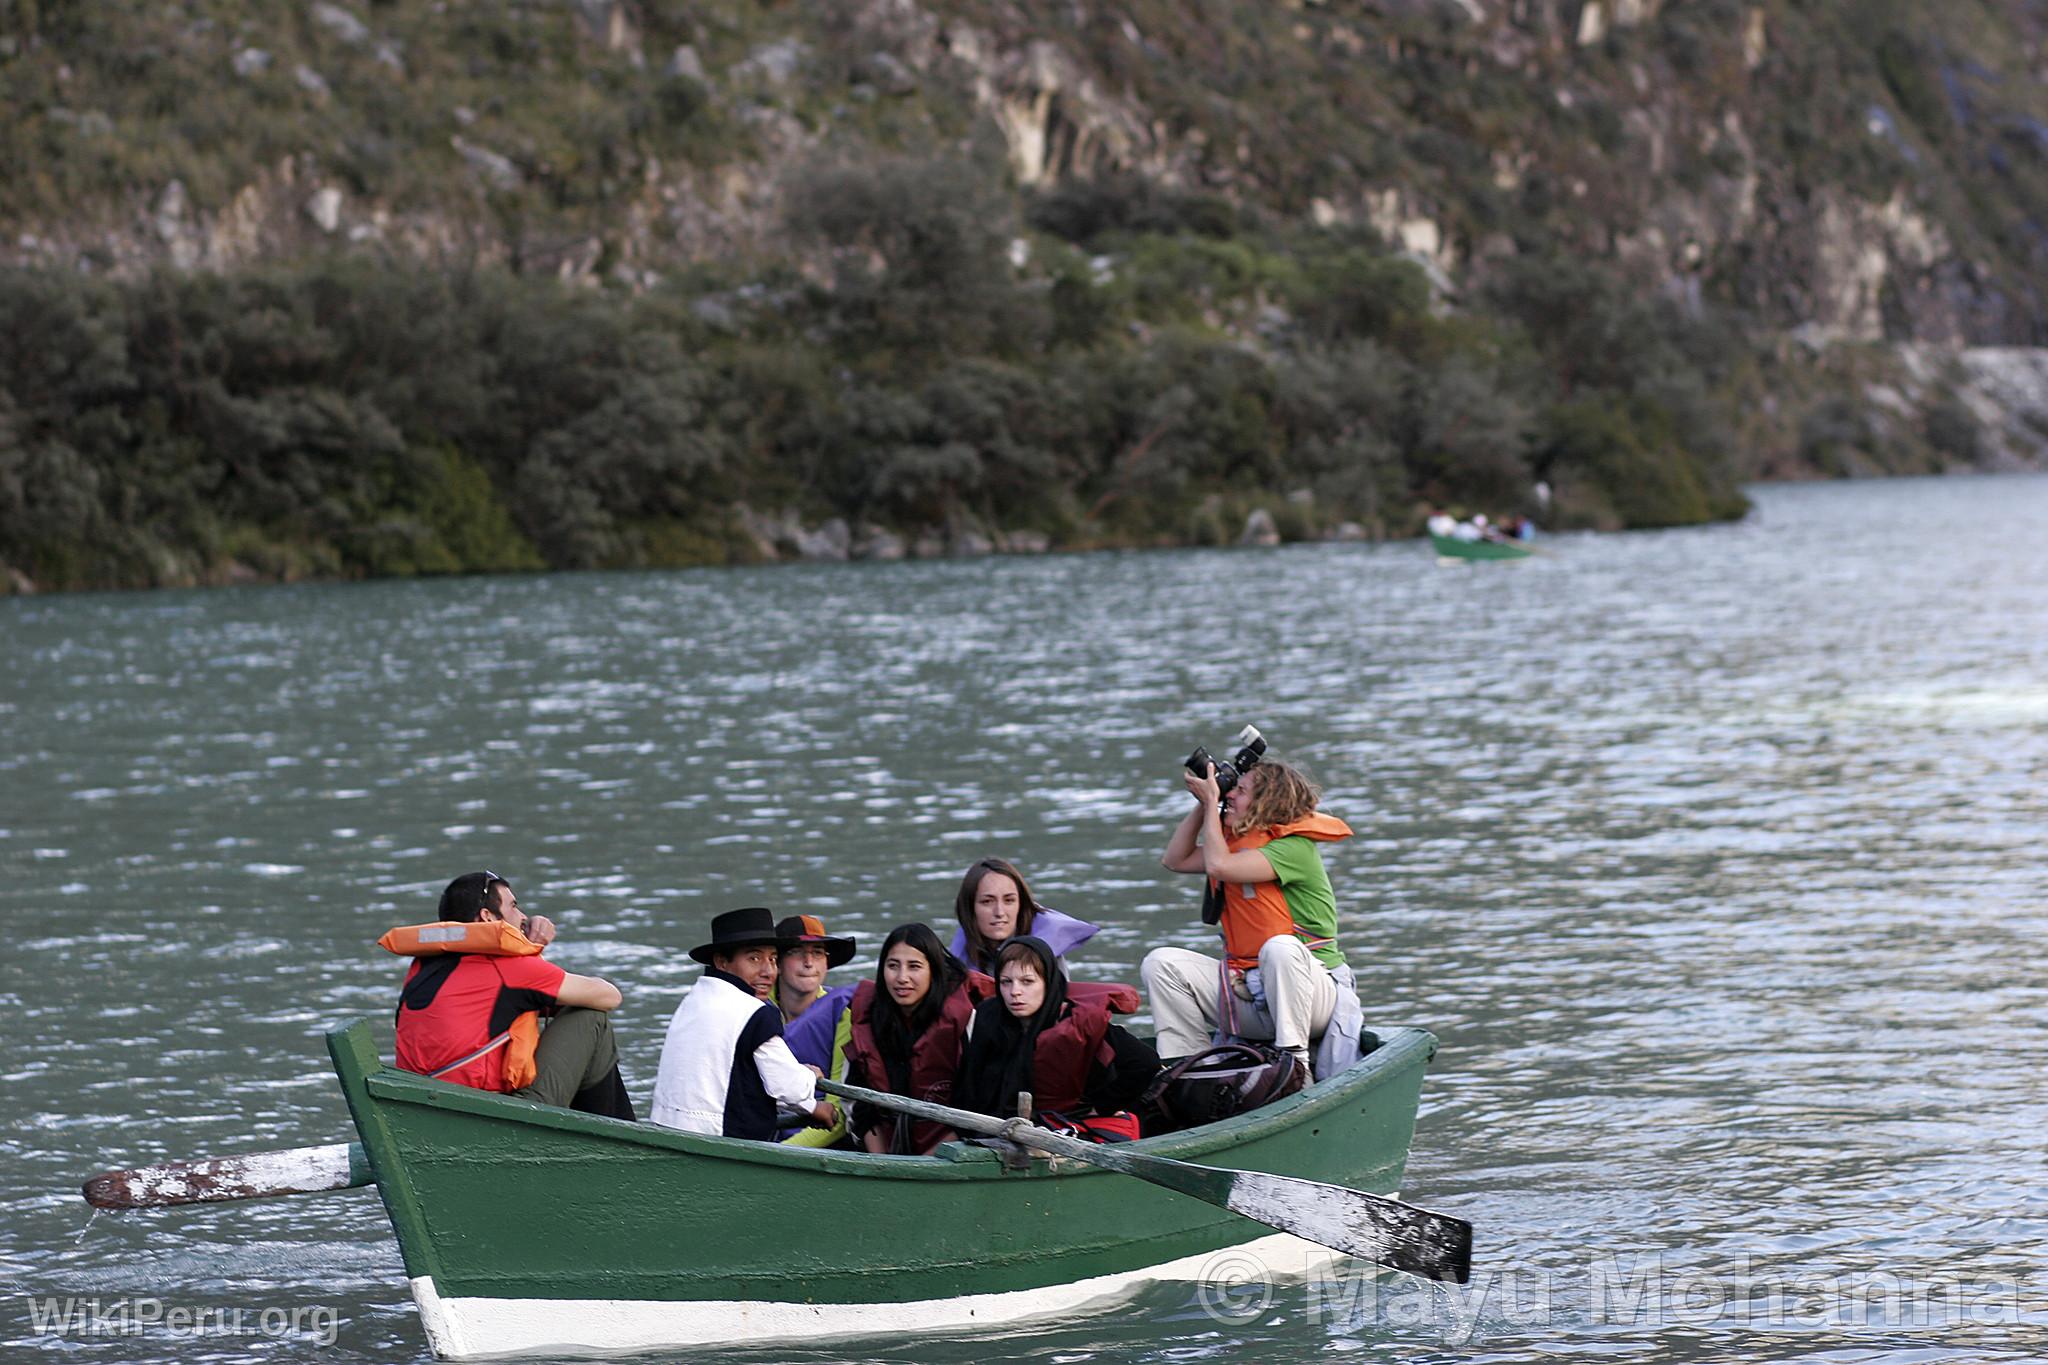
(994, 905)
(1050, 1039)
(904, 1033)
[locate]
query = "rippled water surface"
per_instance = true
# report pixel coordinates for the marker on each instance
(1714, 858)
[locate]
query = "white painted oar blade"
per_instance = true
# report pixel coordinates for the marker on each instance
(1382, 1230)
(301, 1170)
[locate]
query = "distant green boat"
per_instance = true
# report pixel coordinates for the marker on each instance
(1450, 547)
(531, 1230)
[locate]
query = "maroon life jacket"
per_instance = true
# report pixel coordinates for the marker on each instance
(1070, 1048)
(934, 1057)
(1113, 996)
(1067, 1051)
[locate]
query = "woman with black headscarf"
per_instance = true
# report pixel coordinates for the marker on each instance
(1042, 1037)
(904, 1030)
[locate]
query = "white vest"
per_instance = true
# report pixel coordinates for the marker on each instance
(704, 1085)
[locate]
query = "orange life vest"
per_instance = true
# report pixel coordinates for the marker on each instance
(485, 938)
(1256, 911)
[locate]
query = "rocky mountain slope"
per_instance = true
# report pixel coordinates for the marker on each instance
(828, 278)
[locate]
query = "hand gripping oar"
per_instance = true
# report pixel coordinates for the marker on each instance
(1386, 1231)
(301, 1170)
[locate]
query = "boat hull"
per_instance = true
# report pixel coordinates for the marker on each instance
(475, 1328)
(527, 1229)
(1449, 547)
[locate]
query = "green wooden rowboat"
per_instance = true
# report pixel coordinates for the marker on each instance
(1450, 547)
(526, 1229)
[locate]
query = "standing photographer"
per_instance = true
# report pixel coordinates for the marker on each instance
(1283, 977)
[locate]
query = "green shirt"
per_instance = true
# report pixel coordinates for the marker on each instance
(1298, 867)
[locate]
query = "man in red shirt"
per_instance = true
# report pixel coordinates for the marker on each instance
(457, 1010)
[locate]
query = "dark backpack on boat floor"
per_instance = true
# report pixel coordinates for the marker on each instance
(1231, 1078)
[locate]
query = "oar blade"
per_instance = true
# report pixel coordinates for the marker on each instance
(1386, 1231)
(257, 1175)
(1380, 1229)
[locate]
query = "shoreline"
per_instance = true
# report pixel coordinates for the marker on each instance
(1029, 544)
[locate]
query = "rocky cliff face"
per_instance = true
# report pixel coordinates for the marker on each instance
(1685, 137)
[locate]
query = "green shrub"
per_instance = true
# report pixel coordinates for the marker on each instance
(1905, 74)
(1088, 211)
(1607, 452)
(919, 253)
(1353, 292)
(1954, 432)
(1836, 437)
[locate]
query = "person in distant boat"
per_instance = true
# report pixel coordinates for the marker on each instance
(470, 1009)
(1052, 1040)
(813, 1014)
(1283, 976)
(993, 905)
(1442, 524)
(904, 1030)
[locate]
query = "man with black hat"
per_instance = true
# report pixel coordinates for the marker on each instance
(725, 1066)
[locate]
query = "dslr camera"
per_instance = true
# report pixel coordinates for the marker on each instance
(1251, 746)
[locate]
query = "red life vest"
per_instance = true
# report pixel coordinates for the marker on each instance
(1257, 911)
(1113, 996)
(934, 1057)
(480, 938)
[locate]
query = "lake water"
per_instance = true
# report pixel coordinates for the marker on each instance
(1714, 858)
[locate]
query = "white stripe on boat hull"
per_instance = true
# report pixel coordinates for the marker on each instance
(477, 1328)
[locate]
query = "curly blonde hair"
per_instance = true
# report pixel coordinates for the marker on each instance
(1281, 793)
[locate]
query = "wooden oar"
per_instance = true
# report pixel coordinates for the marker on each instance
(1386, 1231)
(301, 1170)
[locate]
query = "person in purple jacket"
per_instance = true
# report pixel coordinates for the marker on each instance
(812, 1012)
(994, 906)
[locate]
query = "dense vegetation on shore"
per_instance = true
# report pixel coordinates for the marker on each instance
(913, 342)
(343, 417)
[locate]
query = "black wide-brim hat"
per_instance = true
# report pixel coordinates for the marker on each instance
(751, 927)
(809, 929)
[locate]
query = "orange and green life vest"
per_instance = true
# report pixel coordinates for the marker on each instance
(1256, 911)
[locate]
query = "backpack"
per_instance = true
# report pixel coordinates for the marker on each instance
(1231, 1078)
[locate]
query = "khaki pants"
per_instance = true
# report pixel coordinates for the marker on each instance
(577, 1059)
(1186, 991)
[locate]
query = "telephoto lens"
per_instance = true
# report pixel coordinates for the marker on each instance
(1226, 776)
